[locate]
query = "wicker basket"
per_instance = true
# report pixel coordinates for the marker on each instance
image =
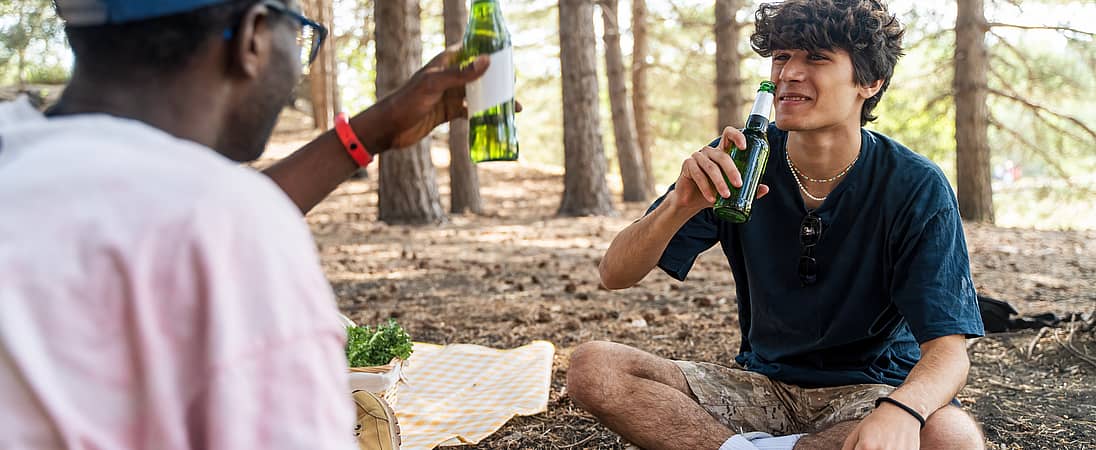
(382, 381)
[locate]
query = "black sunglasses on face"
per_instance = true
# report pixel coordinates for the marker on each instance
(311, 35)
(810, 232)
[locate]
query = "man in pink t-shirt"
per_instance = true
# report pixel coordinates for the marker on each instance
(153, 293)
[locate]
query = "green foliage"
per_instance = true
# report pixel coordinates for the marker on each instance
(1041, 117)
(1054, 70)
(367, 346)
(52, 74)
(352, 36)
(1040, 81)
(30, 37)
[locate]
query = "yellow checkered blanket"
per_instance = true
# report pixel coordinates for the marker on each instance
(459, 394)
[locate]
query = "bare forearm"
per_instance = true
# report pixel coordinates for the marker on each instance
(637, 249)
(938, 377)
(312, 172)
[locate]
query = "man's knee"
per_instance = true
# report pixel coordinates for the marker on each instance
(952, 428)
(599, 372)
(592, 370)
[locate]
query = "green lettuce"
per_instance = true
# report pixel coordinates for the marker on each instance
(367, 346)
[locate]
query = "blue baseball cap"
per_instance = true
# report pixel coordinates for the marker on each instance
(103, 12)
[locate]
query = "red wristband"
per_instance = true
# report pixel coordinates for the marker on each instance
(350, 141)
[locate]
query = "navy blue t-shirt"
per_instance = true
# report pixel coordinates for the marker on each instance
(893, 269)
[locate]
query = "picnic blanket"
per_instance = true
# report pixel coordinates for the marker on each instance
(459, 394)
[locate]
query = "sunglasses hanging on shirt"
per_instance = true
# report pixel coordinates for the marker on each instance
(810, 232)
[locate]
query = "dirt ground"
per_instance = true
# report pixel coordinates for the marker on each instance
(519, 273)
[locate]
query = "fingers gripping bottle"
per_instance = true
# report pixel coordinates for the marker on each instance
(751, 161)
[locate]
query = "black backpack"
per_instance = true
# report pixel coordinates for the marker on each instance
(996, 317)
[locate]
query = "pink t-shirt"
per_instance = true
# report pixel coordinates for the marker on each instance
(155, 295)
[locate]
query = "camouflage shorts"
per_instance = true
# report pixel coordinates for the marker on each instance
(747, 401)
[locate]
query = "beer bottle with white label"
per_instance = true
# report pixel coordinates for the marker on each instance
(492, 131)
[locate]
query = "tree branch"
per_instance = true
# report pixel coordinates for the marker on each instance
(1019, 55)
(1038, 113)
(1041, 27)
(939, 98)
(930, 37)
(1057, 127)
(1027, 103)
(1032, 147)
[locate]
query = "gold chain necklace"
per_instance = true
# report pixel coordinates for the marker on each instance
(796, 174)
(827, 180)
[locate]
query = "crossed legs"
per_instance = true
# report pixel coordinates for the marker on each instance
(647, 400)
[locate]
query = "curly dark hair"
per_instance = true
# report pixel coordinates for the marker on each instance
(864, 28)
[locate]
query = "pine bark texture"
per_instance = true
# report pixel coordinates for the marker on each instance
(728, 81)
(585, 192)
(640, 51)
(323, 80)
(637, 188)
(972, 168)
(408, 192)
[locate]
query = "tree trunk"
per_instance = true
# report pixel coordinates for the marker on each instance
(637, 188)
(21, 53)
(975, 191)
(640, 50)
(363, 42)
(21, 68)
(728, 82)
(408, 192)
(326, 58)
(463, 178)
(585, 192)
(321, 73)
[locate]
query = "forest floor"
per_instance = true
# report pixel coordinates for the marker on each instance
(518, 273)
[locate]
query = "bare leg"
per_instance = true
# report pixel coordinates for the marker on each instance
(643, 398)
(947, 428)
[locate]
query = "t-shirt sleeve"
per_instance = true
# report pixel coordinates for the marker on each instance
(697, 235)
(932, 284)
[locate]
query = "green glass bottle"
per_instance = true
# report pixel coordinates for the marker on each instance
(492, 131)
(750, 161)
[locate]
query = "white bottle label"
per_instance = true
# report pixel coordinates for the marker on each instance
(763, 105)
(496, 86)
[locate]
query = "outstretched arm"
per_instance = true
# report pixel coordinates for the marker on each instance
(434, 95)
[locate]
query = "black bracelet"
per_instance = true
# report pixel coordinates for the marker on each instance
(905, 408)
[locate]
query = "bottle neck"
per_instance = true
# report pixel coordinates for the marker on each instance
(486, 8)
(487, 14)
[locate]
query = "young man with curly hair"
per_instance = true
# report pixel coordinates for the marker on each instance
(852, 277)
